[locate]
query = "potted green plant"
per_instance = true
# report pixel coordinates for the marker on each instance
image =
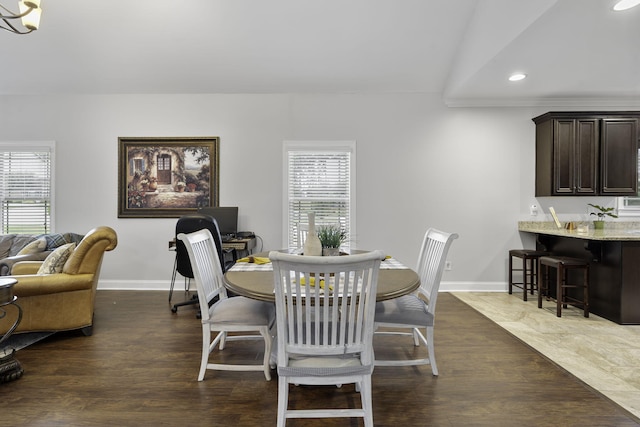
(331, 237)
(598, 224)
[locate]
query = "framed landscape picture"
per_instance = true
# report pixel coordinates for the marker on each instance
(167, 177)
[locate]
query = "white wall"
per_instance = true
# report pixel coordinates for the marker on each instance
(420, 164)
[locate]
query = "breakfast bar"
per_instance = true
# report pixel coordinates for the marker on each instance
(614, 259)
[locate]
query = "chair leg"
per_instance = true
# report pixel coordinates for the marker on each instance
(525, 278)
(560, 290)
(206, 349)
(534, 276)
(416, 337)
(283, 400)
(365, 397)
(267, 352)
(173, 278)
(510, 274)
(223, 339)
(543, 277)
(432, 352)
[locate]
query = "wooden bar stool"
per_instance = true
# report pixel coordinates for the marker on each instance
(563, 265)
(529, 270)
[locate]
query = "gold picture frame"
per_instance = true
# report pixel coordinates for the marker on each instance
(167, 177)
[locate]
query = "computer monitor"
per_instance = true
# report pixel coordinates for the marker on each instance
(226, 217)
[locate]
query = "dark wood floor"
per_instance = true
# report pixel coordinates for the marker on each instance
(140, 367)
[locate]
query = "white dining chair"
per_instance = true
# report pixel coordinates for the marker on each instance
(325, 312)
(301, 234)
(417, 310)
(235, 314)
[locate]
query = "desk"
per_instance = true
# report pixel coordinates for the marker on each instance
(242, 246)
(394, 280)
(237, 244)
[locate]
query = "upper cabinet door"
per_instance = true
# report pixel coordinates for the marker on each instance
(564, 156)
(586, 167)
(618, 156)
(575, 156)
(587, 153)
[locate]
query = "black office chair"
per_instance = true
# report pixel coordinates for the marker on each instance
(182, 264)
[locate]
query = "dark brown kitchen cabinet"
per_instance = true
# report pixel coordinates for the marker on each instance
(619, 156)
(587, 153)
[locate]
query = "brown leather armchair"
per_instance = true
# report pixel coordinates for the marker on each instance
(62, 301)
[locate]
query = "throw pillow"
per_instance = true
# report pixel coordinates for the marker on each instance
(54, 241)
(34, 247)
(19, 242)
(56, 259)
(72, 238)
(5, 245)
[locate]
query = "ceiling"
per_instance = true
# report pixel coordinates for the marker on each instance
(573, 51)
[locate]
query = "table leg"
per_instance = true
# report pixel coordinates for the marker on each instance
(10, 367)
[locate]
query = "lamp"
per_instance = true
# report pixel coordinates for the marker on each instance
(517, 77)
(29, 15)
(625, 4)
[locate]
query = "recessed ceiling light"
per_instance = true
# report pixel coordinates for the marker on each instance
(626, 4)
(519, 76)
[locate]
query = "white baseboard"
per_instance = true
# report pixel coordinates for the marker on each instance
(163, 285)
(473, 286)
(141, 285)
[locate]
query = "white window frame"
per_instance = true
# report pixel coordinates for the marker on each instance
(321, 147)
(33, 146)
(625, 210)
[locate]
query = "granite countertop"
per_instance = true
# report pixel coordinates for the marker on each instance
(627, 230)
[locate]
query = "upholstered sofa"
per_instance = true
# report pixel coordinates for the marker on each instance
(65, 300)
(24, 247)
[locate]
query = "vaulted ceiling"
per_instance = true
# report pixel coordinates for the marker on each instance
(573, 51)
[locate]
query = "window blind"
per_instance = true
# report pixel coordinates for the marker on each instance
(319, 181)
(25, 189)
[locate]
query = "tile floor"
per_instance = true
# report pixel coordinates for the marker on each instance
(601, 353)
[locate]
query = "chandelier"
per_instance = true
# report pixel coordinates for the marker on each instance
(29, 16)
